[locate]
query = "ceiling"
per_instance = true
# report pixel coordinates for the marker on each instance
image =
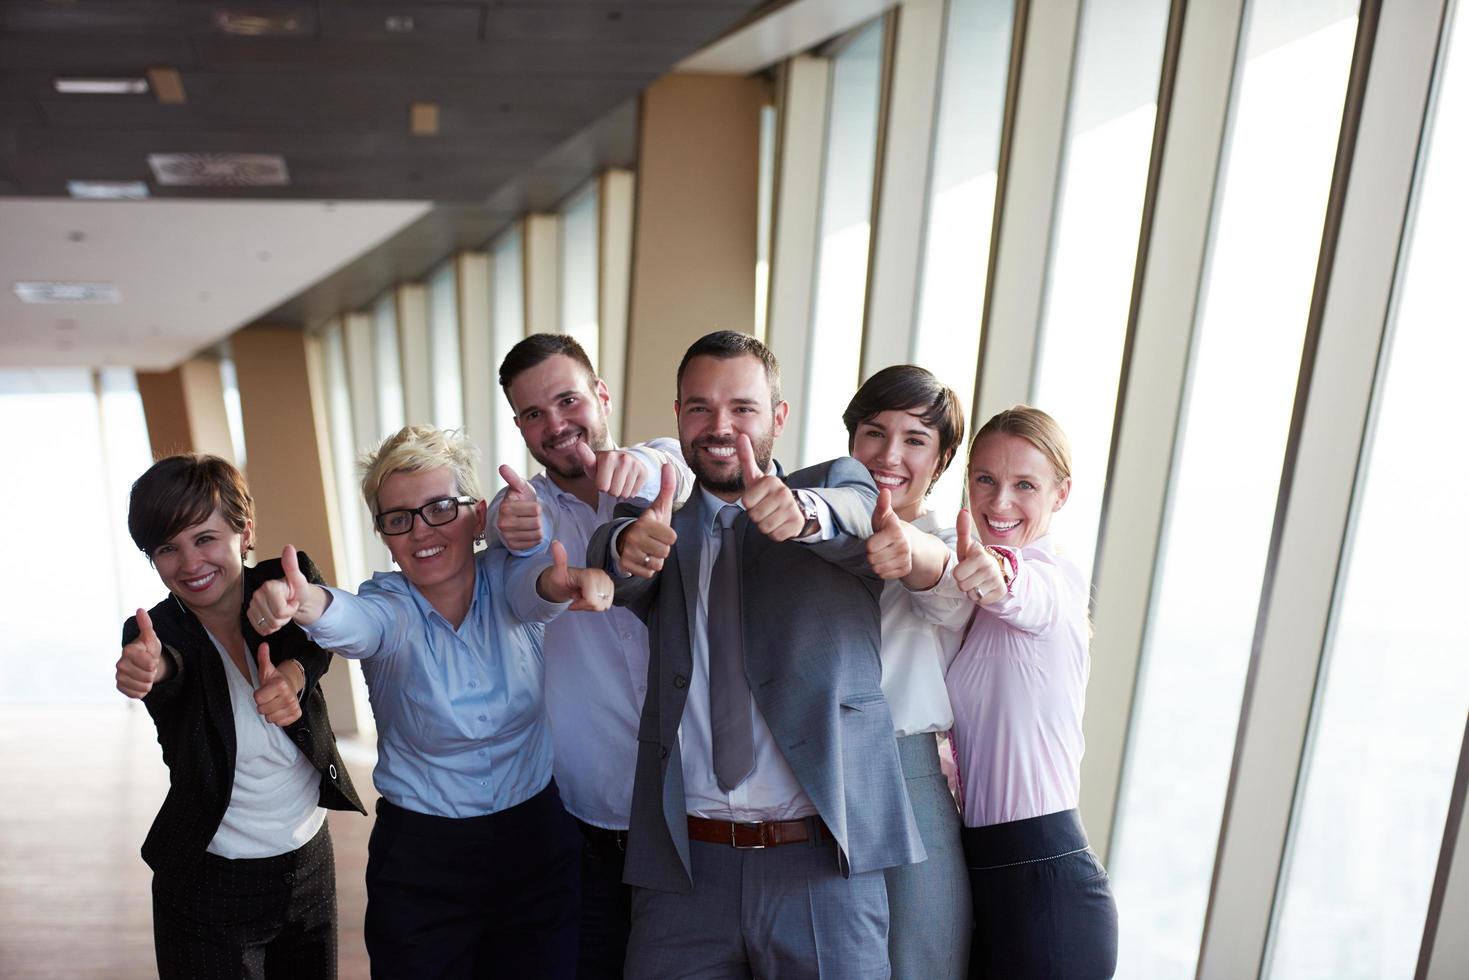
(531, 98)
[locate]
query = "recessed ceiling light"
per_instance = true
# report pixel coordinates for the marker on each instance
(67, 292)
(101, 86)
(107, 190)
(398, 24)
(258, 25)
(219, 169)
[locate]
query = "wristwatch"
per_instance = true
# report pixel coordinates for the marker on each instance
(810, 513)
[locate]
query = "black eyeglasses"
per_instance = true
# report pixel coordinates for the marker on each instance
(434, 513)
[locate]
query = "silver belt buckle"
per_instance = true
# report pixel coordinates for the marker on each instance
(734, 841)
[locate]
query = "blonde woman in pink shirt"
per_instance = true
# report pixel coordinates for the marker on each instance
(1042, 903)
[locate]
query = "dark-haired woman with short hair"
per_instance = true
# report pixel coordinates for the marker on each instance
(905, 426)
(244, 883)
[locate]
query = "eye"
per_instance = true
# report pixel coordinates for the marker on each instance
(746, 409)
(917, 441)
(204, 539)
(985, 479)
(163, 549)
(569, 400)
(530, 415)
(443, 506)
(1026, 485)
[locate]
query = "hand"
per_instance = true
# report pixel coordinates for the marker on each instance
(769, 503)
(617, 473)
(277, 601)
(275, 698)
(141, 663)
(646, 542)
(888, 550)
(588, 589)
(979, 572)
(519, 520)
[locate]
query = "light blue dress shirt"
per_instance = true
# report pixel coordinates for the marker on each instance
(460, 713)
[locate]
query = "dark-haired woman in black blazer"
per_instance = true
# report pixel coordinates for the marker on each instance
(243, 877)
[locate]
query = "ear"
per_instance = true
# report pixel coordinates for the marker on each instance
(778, 418)
(603, 395)
(1062, 492)
(247, 537)
(481, 507)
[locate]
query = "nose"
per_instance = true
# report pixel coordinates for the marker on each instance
(889, 453)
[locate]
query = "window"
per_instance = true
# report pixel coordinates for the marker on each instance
(447, 386)
(579, 273)
(845, 234)
(387, 366)
(1390, 714)
(961, 204)
(1290, 88)
(1109, 136)
(507, 327)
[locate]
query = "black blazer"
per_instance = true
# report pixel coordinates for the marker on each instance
(196, 726)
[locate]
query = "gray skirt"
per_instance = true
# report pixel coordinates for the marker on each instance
(929, 902)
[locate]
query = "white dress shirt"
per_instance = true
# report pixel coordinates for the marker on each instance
(771, 792)
(597, 663)
(273, 803)
(921, 632)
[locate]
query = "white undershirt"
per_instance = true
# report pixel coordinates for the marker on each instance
(273, 804)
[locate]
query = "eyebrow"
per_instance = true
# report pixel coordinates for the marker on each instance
(556, 397)
(701, 400)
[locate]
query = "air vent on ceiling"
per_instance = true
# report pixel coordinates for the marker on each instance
(51, 291)
(259, 24)
(219, 169)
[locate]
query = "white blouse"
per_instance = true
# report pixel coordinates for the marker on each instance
(921, 632)
(273, 805)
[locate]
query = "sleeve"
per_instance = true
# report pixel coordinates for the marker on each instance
(653, 454)
(847, 490)
(492, 514)
(295, 645)
(164, 691)
(518, 577)
(372, 623)
(634, 593)
(1042, 595)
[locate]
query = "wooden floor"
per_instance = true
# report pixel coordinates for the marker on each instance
(79, 786)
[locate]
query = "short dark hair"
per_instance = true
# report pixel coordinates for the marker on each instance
(727, 345)
(180, 491)
(910, 388)
(538, 347)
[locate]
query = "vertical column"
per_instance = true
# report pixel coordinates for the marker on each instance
(694, 240)
(614, 258)
(286, 441)
(477, 362)
(541, 266)
(412, 299)
(184, 408)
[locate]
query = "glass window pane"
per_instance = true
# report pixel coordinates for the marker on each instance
(344, 455)
(1271, 205)
(447, 387)
(1390, 718)
(845, 236)
(507, 304)
(764, 218)
(233, 412)
(579, 275)
(1114, 91)
(387, 366)
(961, 203)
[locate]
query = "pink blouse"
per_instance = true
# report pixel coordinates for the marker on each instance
(1018, 687)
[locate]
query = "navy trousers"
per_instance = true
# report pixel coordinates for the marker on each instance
(1043, 907)
(480, 897)
(606, 904)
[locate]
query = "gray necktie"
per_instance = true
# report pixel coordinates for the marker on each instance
(729, 690)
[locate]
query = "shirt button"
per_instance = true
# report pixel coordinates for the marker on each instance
(474, 683)
(483, 783)
(289, 877)
(483, 718)
(680, 681)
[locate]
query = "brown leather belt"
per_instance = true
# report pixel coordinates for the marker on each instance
(754, 836)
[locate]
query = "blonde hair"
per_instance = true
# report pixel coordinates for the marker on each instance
(420, 447)
(1036, 428)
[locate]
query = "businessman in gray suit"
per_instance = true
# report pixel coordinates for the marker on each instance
(768, 795)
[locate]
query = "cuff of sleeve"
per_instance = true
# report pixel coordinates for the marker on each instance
(544, 609)
(330, 615)
(614, 564)
(826, 525)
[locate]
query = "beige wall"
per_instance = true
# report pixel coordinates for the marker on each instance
(694, 238)
(184, 409)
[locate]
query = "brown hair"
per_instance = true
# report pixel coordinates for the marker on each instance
(910, 388)
(180, 491)
(726, 345)
(1036, 428)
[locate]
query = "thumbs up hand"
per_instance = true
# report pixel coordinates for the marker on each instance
(276, 698)
(980, 572)
(141, 664)
(646, 542)
(617, 473)
(769, 503)
(278, 601)
(889, 551)
(588, 589)
(519, 519)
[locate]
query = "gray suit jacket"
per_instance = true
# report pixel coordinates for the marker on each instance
(812, 634)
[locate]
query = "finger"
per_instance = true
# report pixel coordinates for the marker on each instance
(965, 530)
(145, 629)
(588, 460)
(291, 564)
(663, 504)
(514, 482)
(883, 512)
(749, 468)
(562, 566)
(267, 669)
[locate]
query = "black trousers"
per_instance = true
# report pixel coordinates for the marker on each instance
(491, 896)
(1043, 907)
(606, 904)
(254, 918)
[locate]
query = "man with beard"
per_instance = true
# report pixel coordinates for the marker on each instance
(768, 795)
(595, 665)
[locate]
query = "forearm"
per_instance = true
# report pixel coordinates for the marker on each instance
(930, 559)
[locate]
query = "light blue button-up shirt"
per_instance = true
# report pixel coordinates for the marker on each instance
(460, 713)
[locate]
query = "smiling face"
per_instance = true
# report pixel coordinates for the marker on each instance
(1013, 490)
(719, 398)
(431, 557)
(202, 565)
(901, 451)
(557, 405)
